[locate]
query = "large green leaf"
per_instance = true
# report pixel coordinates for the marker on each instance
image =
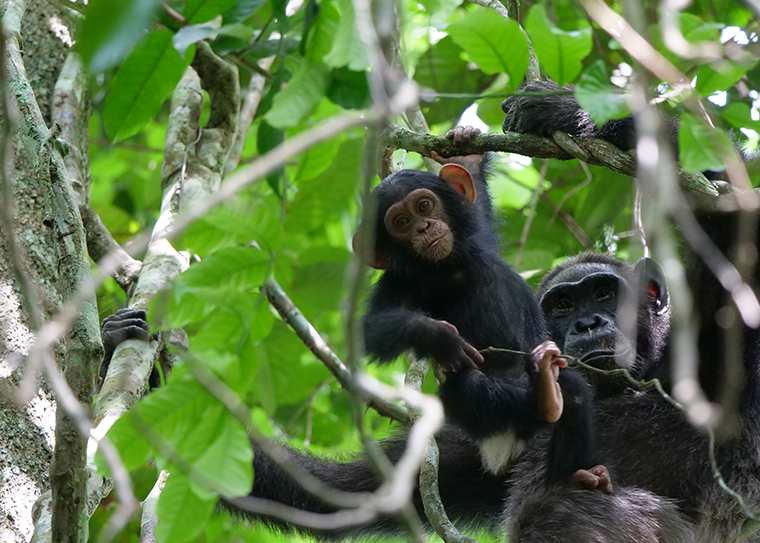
(142, 84)
(739, 115)
(301, 97)
(200, 11)
(595, 94)
(701, 146)
(559, 52)
(182, 509)
(443, 70)
(236, 267)
(110, 29)
(495, 44)
(720, 76)
(347, 49)
(314, 206)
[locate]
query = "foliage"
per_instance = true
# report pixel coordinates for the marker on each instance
(297, 227)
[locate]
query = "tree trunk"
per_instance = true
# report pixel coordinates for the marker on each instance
(28, 431)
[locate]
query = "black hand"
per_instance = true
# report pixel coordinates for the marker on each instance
(123, 325)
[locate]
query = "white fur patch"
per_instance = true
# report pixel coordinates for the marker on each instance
(498, 451)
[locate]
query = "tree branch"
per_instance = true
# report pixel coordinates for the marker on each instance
(594, 151)
(192, 170)
(429, 491)
(311, 338)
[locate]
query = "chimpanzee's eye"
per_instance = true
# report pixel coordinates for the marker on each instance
(604, 294)
(423, 206)
(402, 221)
(561, 307)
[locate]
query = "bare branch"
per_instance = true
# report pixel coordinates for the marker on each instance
(150, 506)
(100, 243)
(563, 147)
(311, 338)
(429, 492)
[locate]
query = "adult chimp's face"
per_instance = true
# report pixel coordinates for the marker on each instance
(581, 304)
(608, 313)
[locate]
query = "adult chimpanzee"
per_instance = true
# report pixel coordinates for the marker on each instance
(447, 294)
(654, 454)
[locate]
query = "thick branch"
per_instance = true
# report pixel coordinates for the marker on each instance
(100, 243)
(594, 151)
(311, 338)
(192, 170)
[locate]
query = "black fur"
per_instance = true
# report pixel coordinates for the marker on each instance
(560, 111)
(472, 496)
(490, 305)
(652, 451)
(544, 115)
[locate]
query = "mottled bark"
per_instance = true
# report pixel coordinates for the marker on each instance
(28, 432)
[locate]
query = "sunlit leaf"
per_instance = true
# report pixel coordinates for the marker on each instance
(183, 512)
(495, 44)
(347, 49)
(110, 29)
(720, 76)
(701, 147)
(302, 95)
(596, 95)
(142, 84)
(559, 52)
(739, 115)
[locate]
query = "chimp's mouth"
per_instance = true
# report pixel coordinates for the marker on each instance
(590, 358)
(436, 242)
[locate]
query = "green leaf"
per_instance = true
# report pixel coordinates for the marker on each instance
(317, 159)
(200, 11)
(110, 29)
(495, 44)
(596, 95)
(132, 444)
(282, 384)
(719, 76)
(142, 84)
(322, 31)
(182, 510)
(313, 206)
(739, 115)
(228, 459)
(237, 267)
(560, 53)
(188, 35)
(349, 89)
(701, 146)
(300, 98)
(347, 49)
(242, 10)
(442, 69)
(311, 16)
(440, 10)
